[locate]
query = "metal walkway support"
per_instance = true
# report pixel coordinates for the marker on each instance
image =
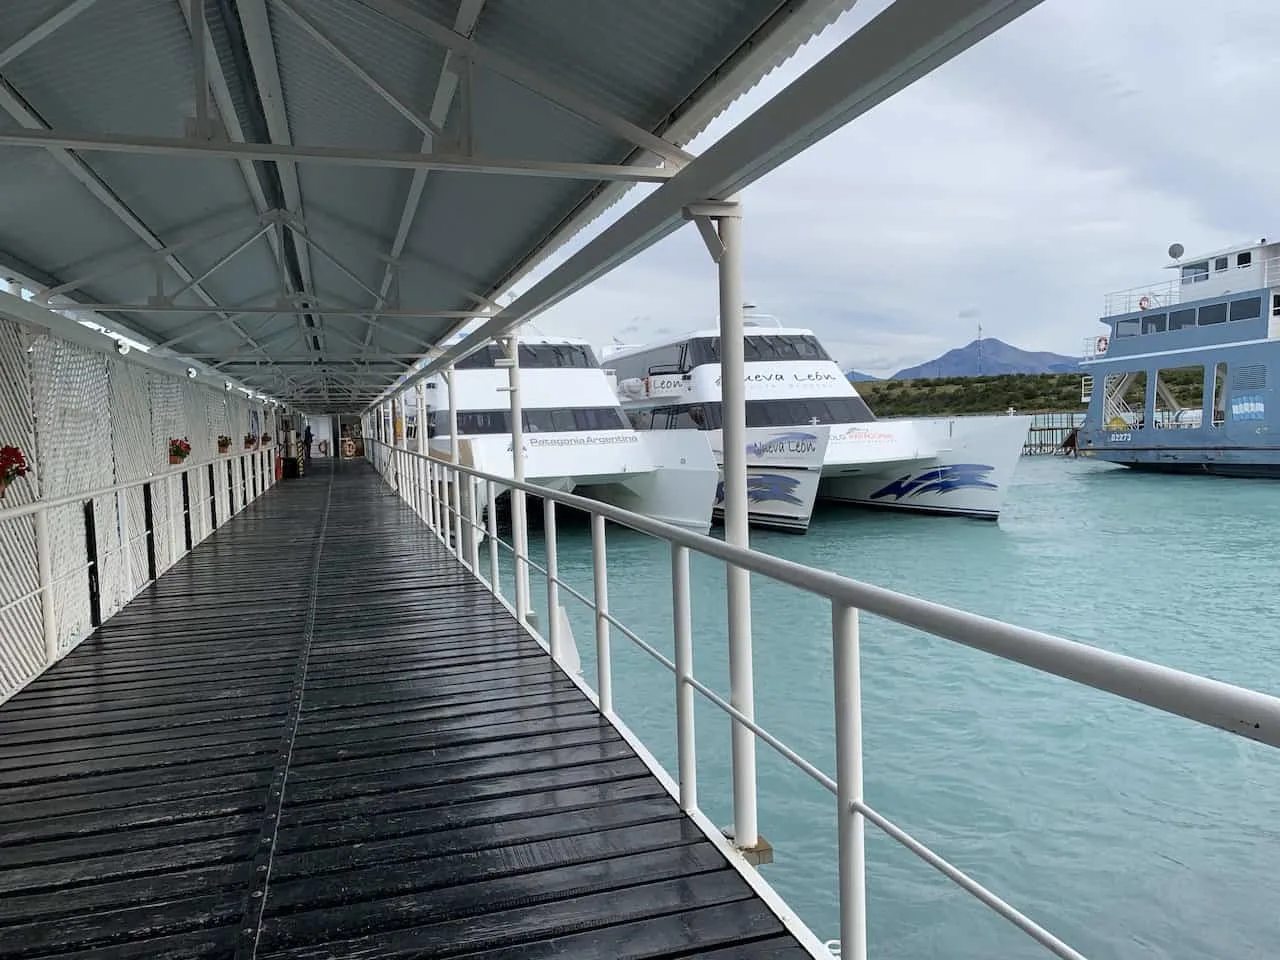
(318, 735)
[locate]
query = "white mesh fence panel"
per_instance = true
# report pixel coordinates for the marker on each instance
(71, 402)
(168, 421)
(21, 624)
(134, 459)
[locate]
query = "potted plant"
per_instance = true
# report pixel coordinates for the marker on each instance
(266, 439)
(12, 466)
(224, 444)
(250, 441)
(179, 450)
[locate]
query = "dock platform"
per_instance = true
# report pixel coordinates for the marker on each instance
(318, 735)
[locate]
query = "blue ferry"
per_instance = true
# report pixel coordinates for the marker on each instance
(1180, 381)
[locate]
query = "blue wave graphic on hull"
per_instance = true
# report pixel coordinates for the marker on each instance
(766, 488)
(954, 476)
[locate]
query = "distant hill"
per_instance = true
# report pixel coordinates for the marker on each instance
(1025, 392)
(858, 376)
(997, 357)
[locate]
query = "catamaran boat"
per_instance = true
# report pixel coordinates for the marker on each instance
(810, 436)
(1180, 383)
(576, 438)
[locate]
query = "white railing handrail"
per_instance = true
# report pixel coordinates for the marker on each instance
(176, 470)
(1214, 703)
(1172, 285)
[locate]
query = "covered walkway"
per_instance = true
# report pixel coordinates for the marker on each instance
(317, 735)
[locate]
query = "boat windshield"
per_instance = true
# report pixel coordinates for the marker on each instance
(783, 412)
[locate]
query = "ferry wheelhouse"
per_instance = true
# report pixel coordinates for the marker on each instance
(810, 435)
(576, 438)
(1181, 380)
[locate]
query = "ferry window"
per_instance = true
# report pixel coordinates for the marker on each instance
(547, 421)
(1182, 318)
(1129, 328)
(1213, 313)
(641, 419)
(1220, 264)
(1195, 272)
(1248, 309)
(664, 360)
(1275, 304)
(599, 418)
(1154, 323)
(1244, 259)
(757, 348)
(1179, 397)
(483, 421)
(1219, 394)
(541, 356)
(481, 359)
(801, 411)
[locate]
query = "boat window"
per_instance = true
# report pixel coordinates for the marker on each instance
(1248, 309)
(1179, 397)
(1195, 272)
(1244, 259)
(542, 356)
(799, 411)
(482, 359)
(1128, 328)
(761, 348)
(1154, 323)
(1213, 313)
(479, 422)
(1220, 264)
(1219, 394)
(1182, 318)
(1275, 304)
(559, 420)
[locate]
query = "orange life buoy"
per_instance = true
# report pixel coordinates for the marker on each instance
(1144, 303)
(1102, 344)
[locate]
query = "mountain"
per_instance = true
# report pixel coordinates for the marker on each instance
(996, 356)
(856, 376)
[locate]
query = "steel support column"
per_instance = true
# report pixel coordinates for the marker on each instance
(519, 517)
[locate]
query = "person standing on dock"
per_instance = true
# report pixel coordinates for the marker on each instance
(306, 443)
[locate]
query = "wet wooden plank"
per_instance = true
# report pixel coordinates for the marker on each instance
(318, 736)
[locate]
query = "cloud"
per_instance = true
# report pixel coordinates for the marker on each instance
(1014, 187)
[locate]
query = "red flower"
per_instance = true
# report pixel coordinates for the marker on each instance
(179, 448)
(12, 464)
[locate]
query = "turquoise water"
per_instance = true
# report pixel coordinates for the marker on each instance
(1127, 833)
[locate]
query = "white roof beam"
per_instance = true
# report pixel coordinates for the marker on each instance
(262, 310)
(217, 81)
(905, 42)
(342, 156)
(266, 72)
(530, 79)
(464, 25)
(62, 16)
(344, 57)
(16, 107)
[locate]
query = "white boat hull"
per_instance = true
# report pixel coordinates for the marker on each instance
(955, 466)
(669, 476)
(784, 468)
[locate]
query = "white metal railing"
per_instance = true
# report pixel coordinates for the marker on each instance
(449, 497)
(252, 474)
(1175, 290)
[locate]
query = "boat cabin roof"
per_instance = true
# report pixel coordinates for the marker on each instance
(1224, 252)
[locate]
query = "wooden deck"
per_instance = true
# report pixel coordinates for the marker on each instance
(318, 736)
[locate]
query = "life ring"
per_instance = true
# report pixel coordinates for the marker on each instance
(1102, 344)
(1144, 303)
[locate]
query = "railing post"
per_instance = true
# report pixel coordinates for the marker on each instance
(44, 561)
(682, 624)
(433, 500)
(473, 524)
(850, 824)
(553, 572)
(455, 495)
(600, 576)
(492, 524)
(126, 547)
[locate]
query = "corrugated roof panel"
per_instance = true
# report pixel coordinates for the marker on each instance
(120, 67)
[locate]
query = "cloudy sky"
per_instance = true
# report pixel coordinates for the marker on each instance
(1013, 187)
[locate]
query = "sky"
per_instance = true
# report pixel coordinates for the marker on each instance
(1012, 188)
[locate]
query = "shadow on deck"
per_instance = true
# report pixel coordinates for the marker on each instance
(318, 736)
